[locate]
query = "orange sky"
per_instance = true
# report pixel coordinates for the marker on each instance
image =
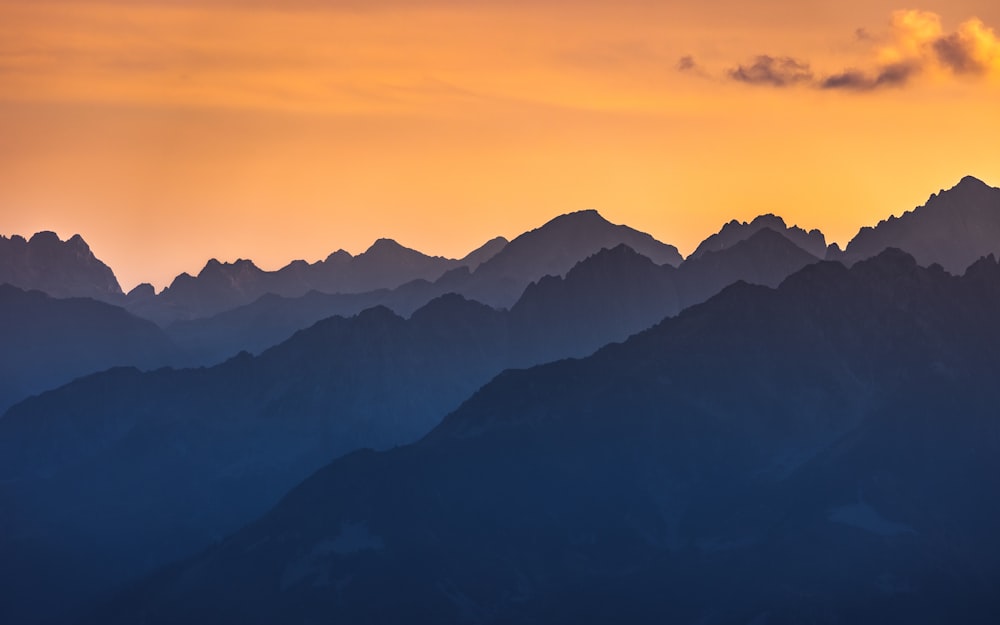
(167, 132)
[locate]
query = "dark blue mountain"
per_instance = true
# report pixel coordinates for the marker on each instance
(47, 342)
(223, 443)
(825, 452)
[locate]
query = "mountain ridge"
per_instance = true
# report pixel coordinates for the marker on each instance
(772, 441)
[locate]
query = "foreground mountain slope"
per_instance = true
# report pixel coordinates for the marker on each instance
(953, 229)
(121, 471)
(59, 268)
(824, 452)
(48, 342)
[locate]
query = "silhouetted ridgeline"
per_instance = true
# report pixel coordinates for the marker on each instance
(224, 286)
(809, 453)
(953, 229)
(59, 268)
(825, 452)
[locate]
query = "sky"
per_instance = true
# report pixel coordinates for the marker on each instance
(168, 132)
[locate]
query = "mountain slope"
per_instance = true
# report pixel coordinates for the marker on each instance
(48, 342)
(953, 229)
(550, 250)
(823, 452)
(251, 426)
(553, 249)
(224, 286)
(59, 268)
(765, 257)
(733, 232)
(219, 444)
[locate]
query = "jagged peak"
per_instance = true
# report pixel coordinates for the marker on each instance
(214, 265)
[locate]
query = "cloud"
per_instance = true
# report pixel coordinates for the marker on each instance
(915, 45)
(895, 75)
(775, 72)
(687, 64)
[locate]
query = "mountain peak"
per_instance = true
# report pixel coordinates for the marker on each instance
(581, 217)
(971, 181)
(59, 268)
(735, 231)
(384, 245)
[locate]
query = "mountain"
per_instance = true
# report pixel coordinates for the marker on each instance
(223, 442)
(48, 342)
(828, 451)
(483, 253)
(733, 232)
(766, 257)
(607, 300)
(608, 297)
(123, 470)
(224, 286)
(59, 268)
(551, 250)
(953, 229)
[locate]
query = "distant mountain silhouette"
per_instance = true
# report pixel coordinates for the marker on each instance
(825, 452)
(766, 257)
(223, 286)
(59, 268)
(47, 342)
(609, 298)
(733, 232)
(953, 229)
(495, 274)
(483, 253)
(552, 250)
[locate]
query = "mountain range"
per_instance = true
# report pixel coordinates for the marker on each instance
(724, 434)
(223, 286)
(824, 452)
(225, 442)
(48, 342)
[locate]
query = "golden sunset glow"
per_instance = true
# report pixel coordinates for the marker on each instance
(167, 132)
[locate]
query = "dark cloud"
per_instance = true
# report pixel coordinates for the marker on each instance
(957, 54)
(772, 71)
(895, 75)
(915, 37)
(687, 64)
